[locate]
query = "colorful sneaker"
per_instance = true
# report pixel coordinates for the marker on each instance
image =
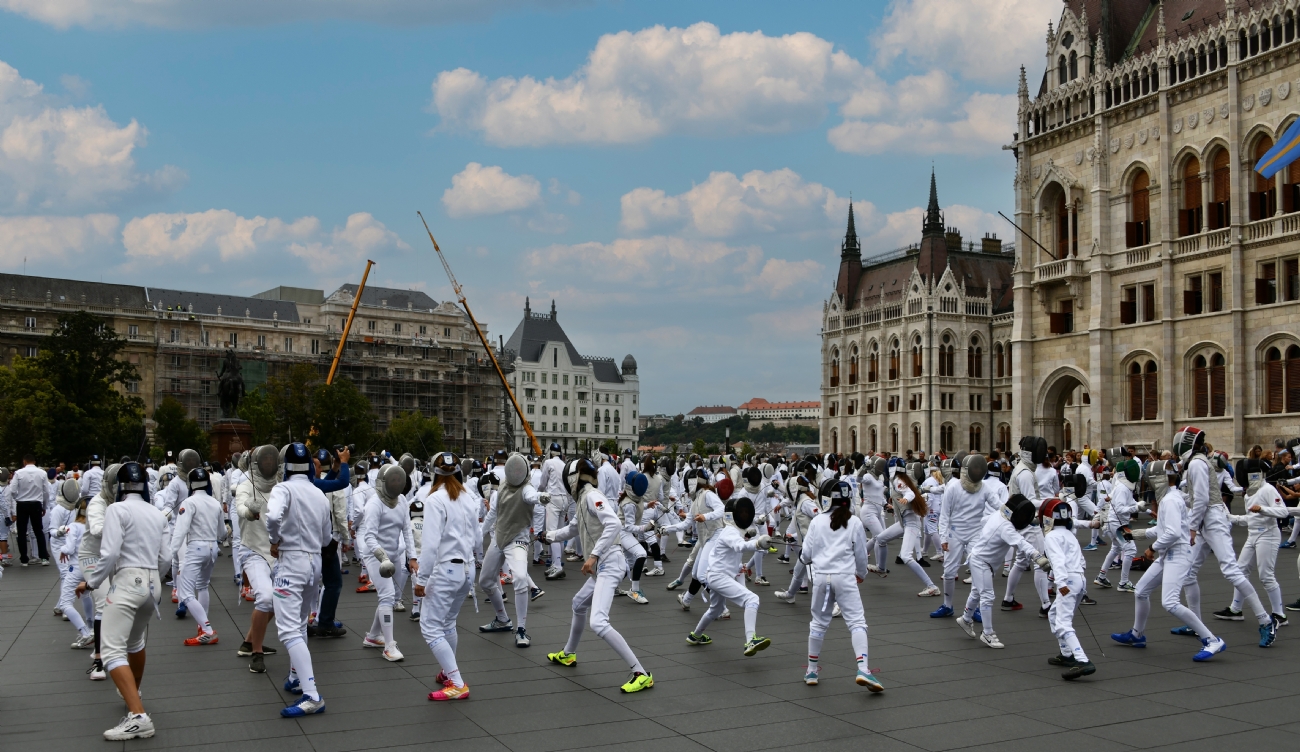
(698, 639)
(1130, 639)
(756, 644)
(866, 679)
(941, 612)
(372, 642)
(1184, 631)
(1102, 580)
(674, 584)
(202, 638)
(1125, 587)
(810, 676)
(1090, 547)
(930, 592)
(1012, 605)
(563, 658)
(761, 581)
(442, 679)
(304, 706)
(450, 693)
(637, 597)
(638, 682)
(392, 654)
(977, 618)
(1268, 632)
(1287, 544)
(1210, 648)
(496, 625)
(292, 686)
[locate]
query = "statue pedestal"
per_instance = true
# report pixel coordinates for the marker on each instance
(230, 436)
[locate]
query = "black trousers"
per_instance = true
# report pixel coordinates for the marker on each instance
(332, 579)
(30, 512)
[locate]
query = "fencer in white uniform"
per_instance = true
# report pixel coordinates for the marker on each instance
(1211, 532)
(1118, 507)
(961, 520)
(511, 538)
(1264, 507)
(1037, 484)
(598, 526)
(1170, 556)
(88, 558)
(1000, 533)
(910, 511)
(134, 553)
(80, 612)
(445, 572)
(874, 488)
(724, 553)
(1062, 550)
(387, 545)
(57, 522)
(836, 552)
(804, 507)
(298, 526)
(255, 559)
(198, 530)
(559, 505)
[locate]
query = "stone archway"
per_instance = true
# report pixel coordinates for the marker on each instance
(1049, 413)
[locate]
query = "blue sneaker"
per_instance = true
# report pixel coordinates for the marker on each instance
(304, 706)
(1287, 544)
(182, 612)
(977, 618)
(292, 686)
(1090, 547)
(1210, 649)
(1130, 639)
(941, 612)
(1268, 632)
(866, 679)
(1183, 631)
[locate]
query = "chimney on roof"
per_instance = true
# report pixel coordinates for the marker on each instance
(552, 309)
(991, 243)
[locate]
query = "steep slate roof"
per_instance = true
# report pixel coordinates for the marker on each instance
(71, 290)
(1130, 25)
(230, 305)
(529, 339)
(374, 296)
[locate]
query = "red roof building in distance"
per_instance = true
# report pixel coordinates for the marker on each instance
(760, 409)
(712, 413)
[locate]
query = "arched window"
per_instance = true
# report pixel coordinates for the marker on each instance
(1009, 371)
(1143, 390)
(894, 364)
(893, 439)
(999, 371)
(975, 359)
(916, 437)
(1004, 437)
(1065, 240)
(871, 435)
(853, 440)
(946, 356)
(1069, 435)
(945, 437)
(917, 369)
(1138, 231)
(1282, 380)
(1221, 185)
(1061, 71)
(1190, 219)
(1074, 65)
(976, 433)
(835, 368)
(1263, 199)
(1290, 187)
(853, 367)
(835, 441)
(1209, 386)
(873, 364)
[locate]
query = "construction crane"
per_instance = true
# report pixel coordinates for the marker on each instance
(347, 326)
(460, 296)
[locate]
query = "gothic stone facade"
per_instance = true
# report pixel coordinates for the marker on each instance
(916, 345)
(1165, 291)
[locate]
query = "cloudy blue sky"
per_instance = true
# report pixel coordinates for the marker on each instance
(675, 174)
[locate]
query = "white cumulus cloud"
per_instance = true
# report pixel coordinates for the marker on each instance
(44, 238)
(479, 190)
(638, 85)
(982, 122)
(220, 234)
(66, 157)
(726, 205)
(189, 14)
(983, 40)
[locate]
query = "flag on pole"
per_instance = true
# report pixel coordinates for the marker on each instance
(1286, 151)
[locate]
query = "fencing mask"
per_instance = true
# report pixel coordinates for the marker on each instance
(189, 459)
(69, 493)
(1019, 510)
(753, 479)
(1129, 473)
(1056, 513)
(408, 463)
(1033, 450)
(1161, 476)
(516, 470)
(1189, 441)
(1251, 474)
(637, 483)
(768, 470)
(390, 484)
(742, 513)
(725, 488)
(973, 469)
(266, 462)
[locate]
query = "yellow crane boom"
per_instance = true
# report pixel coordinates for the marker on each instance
(460, 296)
(347, 326)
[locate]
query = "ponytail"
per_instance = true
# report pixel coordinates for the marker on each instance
(840, 515)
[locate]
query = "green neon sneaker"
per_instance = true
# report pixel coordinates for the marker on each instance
(698, 639)
(756, 644)
(638, 682)
(563, 658)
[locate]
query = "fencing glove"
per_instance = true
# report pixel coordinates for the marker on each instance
(386, 567)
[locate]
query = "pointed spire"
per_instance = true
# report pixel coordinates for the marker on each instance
(1051, 35)
(1160, 25)
(851, 247)
(528, 309)
(933, 217)
(1023, 90)
(552, 309)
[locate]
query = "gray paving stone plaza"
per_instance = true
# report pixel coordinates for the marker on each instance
(943, 690)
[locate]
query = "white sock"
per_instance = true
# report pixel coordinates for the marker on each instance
(386, 624)
(300, 660)
(199, 613)
(751, 621)
(859, 638)
(949, 588)
(575, 631)
(75, 620)
(446, 657)
(814, 649)
(620, 646)
(1013, 579)
(1041, 585)
(1275, 598)
(522, 597)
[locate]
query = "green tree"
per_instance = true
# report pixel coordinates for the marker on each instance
(255, 408)
(80, 363)
(290, 399)
(414, 433)
(609, 446)
(341, 414)
(697, 447)
(176, 431)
